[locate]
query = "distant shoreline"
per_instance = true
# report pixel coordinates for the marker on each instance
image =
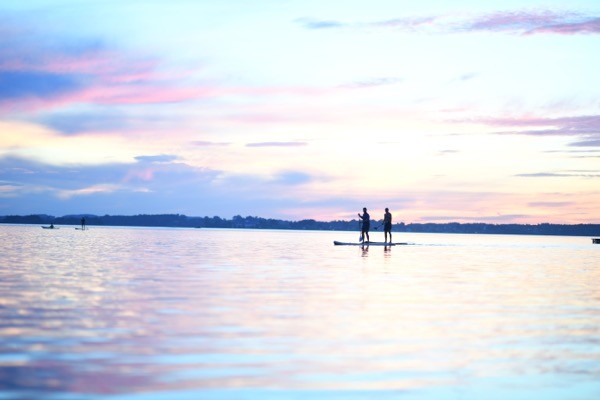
(239, 222)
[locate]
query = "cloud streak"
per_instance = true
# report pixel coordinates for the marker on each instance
(586, 128)
(511, 22)
(277, 144)
(559, 175)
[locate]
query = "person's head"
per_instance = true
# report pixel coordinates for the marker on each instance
(364, 209)
(386, 209)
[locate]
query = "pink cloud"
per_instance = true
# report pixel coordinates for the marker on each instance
(530, 23)
(42, 76)
(591, 26)
(512, 20)
(143, 174)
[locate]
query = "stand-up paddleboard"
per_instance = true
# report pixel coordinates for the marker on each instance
(335, 242)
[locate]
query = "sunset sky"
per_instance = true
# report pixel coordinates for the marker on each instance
(466, 111)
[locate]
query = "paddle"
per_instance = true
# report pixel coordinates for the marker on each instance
(361, 237)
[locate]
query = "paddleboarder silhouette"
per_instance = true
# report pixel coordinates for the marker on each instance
(387, 225)
(366, 225)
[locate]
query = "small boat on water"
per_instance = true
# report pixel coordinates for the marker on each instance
(50, 227)
(596, 240)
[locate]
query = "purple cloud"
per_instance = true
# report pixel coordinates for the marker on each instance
(587, 143)
(590, 26)
(517, 22)
(550, 204)
(586, 127)
(536, 22)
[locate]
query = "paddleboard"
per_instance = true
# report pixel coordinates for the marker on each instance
(49, 227)
(335, 242)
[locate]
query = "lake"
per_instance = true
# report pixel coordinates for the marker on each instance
(157, 313)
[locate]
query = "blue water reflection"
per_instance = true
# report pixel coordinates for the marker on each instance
(219, 314)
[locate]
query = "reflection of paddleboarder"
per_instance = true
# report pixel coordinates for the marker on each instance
(366, 224)
(82, 223)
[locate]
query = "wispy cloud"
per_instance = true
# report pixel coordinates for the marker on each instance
(448, 152)
(313, 23)
(588, 143)
(519, 22)
(564, 126)
(550, 204)
(277, 144)
(374, 82)
(205, 143)
(560, 175)
(589, 26)
(404, 24)
(586, 128)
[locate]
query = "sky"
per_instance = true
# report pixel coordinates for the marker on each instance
(461, 111)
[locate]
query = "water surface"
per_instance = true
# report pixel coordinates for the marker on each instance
(120, 313)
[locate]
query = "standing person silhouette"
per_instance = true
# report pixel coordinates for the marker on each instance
(83, 223)
(366, 224)
(387, 224)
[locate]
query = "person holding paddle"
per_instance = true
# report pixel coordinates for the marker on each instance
(387, 224)
(366, 224)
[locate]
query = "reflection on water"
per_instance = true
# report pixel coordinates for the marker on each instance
(225, 314)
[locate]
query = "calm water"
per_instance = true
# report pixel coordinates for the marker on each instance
(130, 313)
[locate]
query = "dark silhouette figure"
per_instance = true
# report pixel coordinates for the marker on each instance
(387, 225)
(366, 225)
(82, 223)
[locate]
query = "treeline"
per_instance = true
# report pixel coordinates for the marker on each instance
(239, 222)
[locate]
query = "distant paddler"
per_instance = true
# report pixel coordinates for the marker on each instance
(82, 223)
